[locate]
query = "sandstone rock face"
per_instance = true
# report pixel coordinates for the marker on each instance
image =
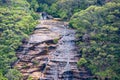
(34, 52)
(36, 75)
(50, 53)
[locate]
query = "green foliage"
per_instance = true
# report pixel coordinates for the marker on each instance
(35, 16)
(33, 4)
(30, 78)
(102, 24)
(55, 41)
(66, 8)
(82, 62)
(2, 77)
(13, 74)
(105, 73)
(16, 22)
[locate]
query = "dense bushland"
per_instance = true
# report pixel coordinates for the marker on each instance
(101, 50)
(16, 22)
(66, 8)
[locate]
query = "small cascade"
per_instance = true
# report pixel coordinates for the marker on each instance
(67, 67)
(67, 52)
(62, 55)
(56, 73)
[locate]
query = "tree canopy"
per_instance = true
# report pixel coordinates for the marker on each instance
(102, 24)
(16, 22)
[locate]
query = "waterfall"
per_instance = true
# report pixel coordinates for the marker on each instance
(59, 63)
(56, 73)
(62, 53)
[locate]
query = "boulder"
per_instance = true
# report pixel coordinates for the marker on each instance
(49, 17)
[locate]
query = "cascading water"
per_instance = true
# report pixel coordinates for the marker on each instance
(56, 73)
(62, 53)
(42, 62)
(67, 44)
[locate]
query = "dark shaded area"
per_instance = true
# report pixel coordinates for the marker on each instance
(42, 67)
(68, 75)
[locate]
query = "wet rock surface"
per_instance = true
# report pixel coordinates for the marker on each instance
(50, 54)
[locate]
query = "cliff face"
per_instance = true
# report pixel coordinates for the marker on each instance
(50, 53)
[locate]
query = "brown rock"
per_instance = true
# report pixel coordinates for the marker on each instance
(37, 75)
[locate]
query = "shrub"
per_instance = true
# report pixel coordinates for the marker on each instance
(82, 62)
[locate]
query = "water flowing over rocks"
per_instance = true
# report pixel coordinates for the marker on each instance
(50, 54)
